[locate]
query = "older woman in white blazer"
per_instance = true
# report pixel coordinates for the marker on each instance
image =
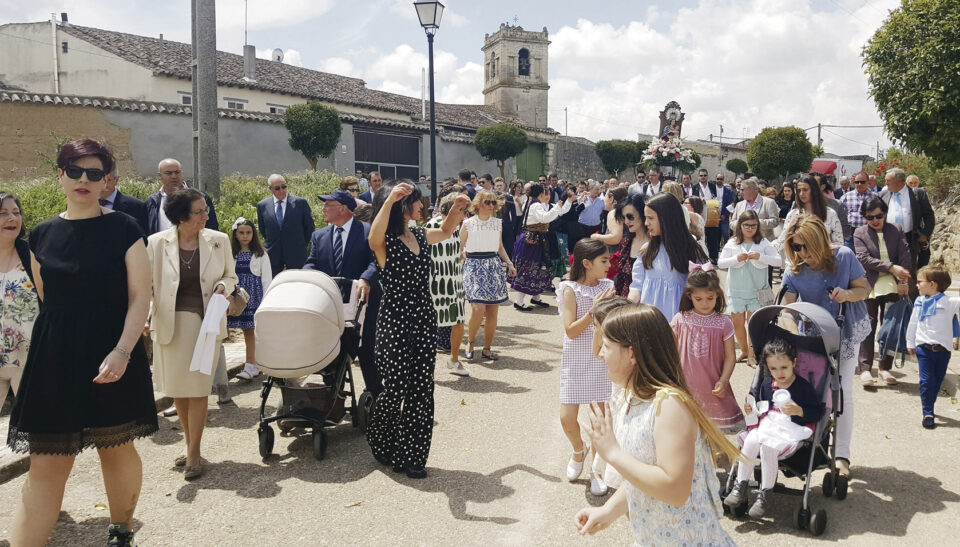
(190, 264)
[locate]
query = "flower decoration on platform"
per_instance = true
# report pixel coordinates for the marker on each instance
(670, 152)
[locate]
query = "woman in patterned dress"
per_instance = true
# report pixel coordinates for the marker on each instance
(401, 427)
(18, 298)
(446, 285)
(670, 490)
(483, 273)
(531, 254)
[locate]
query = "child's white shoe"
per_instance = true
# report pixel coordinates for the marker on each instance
(457, 368)
(575, 468)
(249, 372)
(598, 487)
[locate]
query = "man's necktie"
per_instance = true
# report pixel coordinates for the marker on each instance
(104, 202)
(897, 212)
(338, 251)
(280, 213)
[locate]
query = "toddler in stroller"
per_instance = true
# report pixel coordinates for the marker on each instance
(790, 408)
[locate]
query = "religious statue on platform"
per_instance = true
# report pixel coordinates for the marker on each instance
(671, 121)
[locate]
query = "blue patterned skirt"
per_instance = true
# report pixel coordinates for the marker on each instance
(484, 280)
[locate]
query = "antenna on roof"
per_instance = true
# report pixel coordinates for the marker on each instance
(245, 3)
(278, 55)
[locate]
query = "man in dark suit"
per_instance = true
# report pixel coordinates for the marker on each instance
(111, 198)
(171, 180)
(909, 208)
(353, 261)
(376, 181)
(706, 190)
(285, 223)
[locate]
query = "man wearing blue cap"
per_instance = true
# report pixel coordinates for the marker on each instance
(341, 249)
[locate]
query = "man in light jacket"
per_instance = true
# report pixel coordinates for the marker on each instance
(766, 208)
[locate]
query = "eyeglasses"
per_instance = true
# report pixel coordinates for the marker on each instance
(797, 247)
(750, 225)
(93, 175)
(630, 216)
(720, 179)
(353, 189)
(859, 182)
(490, 202)
(281, 187)
(171, 173)
(874, 217)
(201, 213)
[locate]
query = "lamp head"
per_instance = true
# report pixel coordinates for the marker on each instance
(429, 12)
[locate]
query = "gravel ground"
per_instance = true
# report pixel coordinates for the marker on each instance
(495, 470)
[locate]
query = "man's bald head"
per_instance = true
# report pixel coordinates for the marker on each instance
(170, 174)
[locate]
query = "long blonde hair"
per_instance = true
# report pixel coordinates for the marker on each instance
(645, 330)
(812, 232)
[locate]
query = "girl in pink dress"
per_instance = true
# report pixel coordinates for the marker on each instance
(705, 340)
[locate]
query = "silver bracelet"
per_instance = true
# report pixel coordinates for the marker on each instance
(122, 351)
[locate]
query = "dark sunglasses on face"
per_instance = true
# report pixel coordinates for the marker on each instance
(490, 202)
(630, 216)
(93, 175)
(282, 187)
(859, 182)
(353, 189)
(797, 247)
(874, 217)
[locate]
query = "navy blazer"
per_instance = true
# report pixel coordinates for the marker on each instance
(133, 207)
(286, 245)
(153, 214)
(366, 196)
(358, 259)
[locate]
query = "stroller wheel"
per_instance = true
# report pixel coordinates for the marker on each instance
(364, 410)
(828, 484)
(818, 522)
(801, 517)
(265, 433)
(842, 484)
(319, 444)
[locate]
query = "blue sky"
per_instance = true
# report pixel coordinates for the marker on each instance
(743, 64)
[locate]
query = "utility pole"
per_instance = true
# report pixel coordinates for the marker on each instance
(819, 140)
(206, 139)
(565, 132)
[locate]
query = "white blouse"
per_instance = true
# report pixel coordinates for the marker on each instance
(541, 213)
(833, 227)
(483, 236)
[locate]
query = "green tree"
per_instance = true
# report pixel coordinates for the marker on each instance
(818, 151)
(779, 151)
(913, 68)
(314, 130)
(737, 166)
(618, 154)
(500, 142)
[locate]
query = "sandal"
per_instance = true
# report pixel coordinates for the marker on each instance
(574, 467)
(488, 355)
(742, 358)
(468, 353)
(180, 461)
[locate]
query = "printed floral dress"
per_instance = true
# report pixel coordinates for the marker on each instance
(19, 307)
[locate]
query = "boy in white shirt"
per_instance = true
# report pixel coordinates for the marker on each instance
(930, 334)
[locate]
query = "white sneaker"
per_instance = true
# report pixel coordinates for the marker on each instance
(457, 368)
(598, 487)
(866, 378)
(249, 372)
(575, 468)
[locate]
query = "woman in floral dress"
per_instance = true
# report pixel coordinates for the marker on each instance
(18, 298)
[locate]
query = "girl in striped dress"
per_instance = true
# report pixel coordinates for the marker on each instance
(583, 377)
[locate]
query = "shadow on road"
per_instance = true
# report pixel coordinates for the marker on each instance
(471, 384)
(881, 501)
(513, 363)
(92, 531)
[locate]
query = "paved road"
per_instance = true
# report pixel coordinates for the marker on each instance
(495, 472)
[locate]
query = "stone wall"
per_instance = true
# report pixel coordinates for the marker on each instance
(945, 243)
(576, 159)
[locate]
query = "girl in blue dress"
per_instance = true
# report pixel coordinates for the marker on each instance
(660, 272)
(253, 269)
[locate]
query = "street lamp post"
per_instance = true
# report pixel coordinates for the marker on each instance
(429, 13)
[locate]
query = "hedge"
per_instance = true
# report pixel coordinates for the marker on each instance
(43, 198)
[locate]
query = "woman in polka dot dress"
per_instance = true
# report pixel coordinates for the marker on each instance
(402, 424)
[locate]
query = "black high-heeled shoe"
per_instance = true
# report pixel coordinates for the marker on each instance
(521, 308)
(540, 303)
(418, 472)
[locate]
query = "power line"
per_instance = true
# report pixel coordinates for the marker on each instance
(848, 139)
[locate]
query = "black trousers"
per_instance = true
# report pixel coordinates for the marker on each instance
(712, 235)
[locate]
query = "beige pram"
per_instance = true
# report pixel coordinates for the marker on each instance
(301, 330)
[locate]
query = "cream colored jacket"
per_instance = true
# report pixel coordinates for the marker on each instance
(216, 267)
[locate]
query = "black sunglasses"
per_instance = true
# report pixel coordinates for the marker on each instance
(630, 216)
(797, 247)
(353, 189)
(490, 202)
(284, 187)
(874, 217)
(93, 175)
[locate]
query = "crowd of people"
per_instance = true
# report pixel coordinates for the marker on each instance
(650, 335)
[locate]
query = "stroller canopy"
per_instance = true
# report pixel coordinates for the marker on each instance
(802, 315)
(299, 324)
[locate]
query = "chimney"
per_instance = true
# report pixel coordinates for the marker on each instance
(63, 18)
(160, 62)
(249, 63)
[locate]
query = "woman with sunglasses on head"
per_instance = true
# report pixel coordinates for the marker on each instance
(883, 251)
(484, 275)
(828, 276)
(86, 382)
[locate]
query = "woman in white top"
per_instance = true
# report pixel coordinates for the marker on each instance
(810, 201)
(519, 198)
(484, 279)
(531, 254)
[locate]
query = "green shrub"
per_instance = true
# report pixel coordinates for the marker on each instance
(943, 183)
(43, 198)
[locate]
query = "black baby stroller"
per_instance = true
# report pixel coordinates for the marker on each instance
(301, 330)
(816, 335)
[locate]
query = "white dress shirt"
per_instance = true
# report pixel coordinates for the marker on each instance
(705, 192)
(282, 207)
(936, 329)
(111, 200)
(343, 236)
(904, 209)
(162, 219)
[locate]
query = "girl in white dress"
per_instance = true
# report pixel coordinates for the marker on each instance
(670, 487)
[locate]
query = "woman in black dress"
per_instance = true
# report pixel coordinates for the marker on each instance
(402, 424)
(86, 381)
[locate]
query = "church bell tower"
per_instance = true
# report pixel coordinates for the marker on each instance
(515, 73)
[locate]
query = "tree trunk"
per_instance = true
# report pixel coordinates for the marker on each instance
(501, 164)
(313, 163)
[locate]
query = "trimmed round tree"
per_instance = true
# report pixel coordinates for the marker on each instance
(617, 154)
(913, 68)
(779, 151)
(500, 142)
(737, 166)
(314, 130)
